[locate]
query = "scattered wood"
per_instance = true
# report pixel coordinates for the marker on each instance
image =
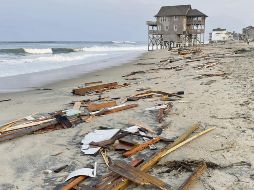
(96, 88)
(194, 177)
(6, 100)
(134, 73)
(123, 182)
(136, 97)
(141, 147)
(163, 112)
(136, 175)
(70, 185)
(142, 125)
(122, 146)
(96, 107)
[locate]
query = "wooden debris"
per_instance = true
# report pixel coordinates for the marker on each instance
(194, 177)
(7, 100)
(141, 147)
(134, 73)
(116, 109)
(96, 88)
(123, 183)
(122, 146)
(137, 175)
(96, 107)
(74, 182)
(142, 125)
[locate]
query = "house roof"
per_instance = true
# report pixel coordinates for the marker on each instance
(179, 10)
(195, 12)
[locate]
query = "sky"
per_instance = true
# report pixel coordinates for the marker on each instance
(106, 20)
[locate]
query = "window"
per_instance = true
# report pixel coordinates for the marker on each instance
(175, 27)
(166, 27)
(175, 17)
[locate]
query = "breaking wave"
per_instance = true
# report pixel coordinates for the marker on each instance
(24, 51)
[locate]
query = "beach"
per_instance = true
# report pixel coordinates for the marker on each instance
(224, 101)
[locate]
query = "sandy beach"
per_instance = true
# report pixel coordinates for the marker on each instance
(224, 102)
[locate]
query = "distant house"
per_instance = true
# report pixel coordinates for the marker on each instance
(176, 26)
(220, 35)
(248, 33)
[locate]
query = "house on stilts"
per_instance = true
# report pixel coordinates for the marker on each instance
(176, 26)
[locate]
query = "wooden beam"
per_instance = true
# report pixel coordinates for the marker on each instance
(117, 109)
(96, 107)
(74, 182)
(141, 147)
(77, 105)
(83, 91)
(137, 175)
(194, 177)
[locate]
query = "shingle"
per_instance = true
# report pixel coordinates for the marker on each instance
(195, 12)
(179, 10)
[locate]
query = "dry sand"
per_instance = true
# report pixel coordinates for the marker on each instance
(222, 102)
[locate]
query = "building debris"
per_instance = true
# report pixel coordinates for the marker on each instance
(97, 88)
(134, 73)
(6, 100)
(95, 107)
(96, 136)
(141, 147)
(136, 175)
(194, 177)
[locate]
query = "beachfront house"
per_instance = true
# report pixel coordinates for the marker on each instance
(176, 26)
(248, 33)
(220, 35)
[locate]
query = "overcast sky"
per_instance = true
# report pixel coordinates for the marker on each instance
(103, 20)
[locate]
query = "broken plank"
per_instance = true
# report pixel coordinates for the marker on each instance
(141, 147)
(194, 177)
(137, 175)
(96, 107)
(83, 91)
(116, 109)
(74, 182)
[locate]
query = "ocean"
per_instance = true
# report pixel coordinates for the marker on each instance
(27, 65)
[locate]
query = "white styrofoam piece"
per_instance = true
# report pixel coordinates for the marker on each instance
(84, 171)
(132, 129)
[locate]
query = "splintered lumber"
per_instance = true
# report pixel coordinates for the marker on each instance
(123, 183)
(141, 125)
(101, 87)
(77, 105)
(116, 109)
(95, 107)
(177, 94)
(141, 147)
(25, 131)
(74, 182)
(25, 125)
(135, 97)
(136, 175)
(112, 176)
(194, 177)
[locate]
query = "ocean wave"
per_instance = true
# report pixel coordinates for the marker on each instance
(23, 51)
(123, 42)
(27, 51)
